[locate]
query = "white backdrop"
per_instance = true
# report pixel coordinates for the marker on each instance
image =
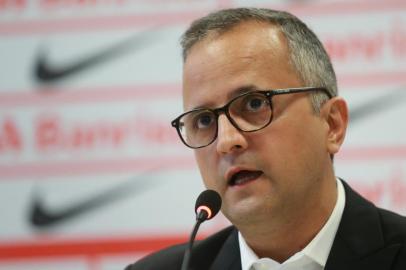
(90, 169)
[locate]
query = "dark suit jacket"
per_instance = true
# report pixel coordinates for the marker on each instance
(367, 238)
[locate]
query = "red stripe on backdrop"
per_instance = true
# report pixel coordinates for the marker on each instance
(121, 22)
(69, 248)
(95, 167)
(92, 167)
(369, 153)
(59, 95)
(342, 7)
(378, 78)
(66, 96)
(225, 3)
(35, 26)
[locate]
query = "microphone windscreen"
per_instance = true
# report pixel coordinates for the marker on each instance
(208, 199)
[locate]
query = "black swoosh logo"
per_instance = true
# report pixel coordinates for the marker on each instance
(41, 217)
(379, 104)
(46, 72)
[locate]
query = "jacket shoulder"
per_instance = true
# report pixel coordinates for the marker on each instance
(168, 258)
(394, 231)
(393, 226)
(204, 252)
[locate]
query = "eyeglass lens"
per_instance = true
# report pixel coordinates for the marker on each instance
(248, 112)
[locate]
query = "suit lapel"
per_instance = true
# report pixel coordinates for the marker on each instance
(359, 242)
(228, 257)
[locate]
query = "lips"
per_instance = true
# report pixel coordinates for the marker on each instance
(242, 177)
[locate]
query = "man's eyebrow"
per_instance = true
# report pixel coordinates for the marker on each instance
(242, 90)
(236, 92)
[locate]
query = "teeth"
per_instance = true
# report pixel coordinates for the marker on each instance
(240, 181)
(243, 177)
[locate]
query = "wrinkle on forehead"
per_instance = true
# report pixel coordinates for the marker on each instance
(246, 44)
(268, 39)
(265, 32)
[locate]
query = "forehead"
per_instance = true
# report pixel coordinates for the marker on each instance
(250, 54)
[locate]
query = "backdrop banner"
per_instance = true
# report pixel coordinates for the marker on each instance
(91, 169)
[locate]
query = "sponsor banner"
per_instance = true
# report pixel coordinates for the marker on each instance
(93, 176)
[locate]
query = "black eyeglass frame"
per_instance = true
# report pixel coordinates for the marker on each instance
(225, 109)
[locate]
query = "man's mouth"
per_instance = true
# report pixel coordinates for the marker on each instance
(244, 177)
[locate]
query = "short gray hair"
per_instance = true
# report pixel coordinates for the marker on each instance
(307, 54)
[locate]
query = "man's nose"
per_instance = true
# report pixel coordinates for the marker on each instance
(229, 138)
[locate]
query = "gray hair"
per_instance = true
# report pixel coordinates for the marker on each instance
(307, 54)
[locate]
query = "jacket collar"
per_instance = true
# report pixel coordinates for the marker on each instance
(359, 242)
(229, 255)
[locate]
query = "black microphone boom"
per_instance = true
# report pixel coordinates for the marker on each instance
(208, 204)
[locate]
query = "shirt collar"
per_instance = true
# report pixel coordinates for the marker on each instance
(317, 250)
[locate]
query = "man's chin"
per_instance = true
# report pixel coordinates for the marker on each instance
(243, 212)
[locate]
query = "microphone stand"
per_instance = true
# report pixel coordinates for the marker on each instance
(200, 218)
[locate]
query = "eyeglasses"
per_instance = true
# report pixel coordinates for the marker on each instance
(248, 112)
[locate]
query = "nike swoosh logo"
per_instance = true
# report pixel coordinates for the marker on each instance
(383, 103)
(41, 217)
(46, 72)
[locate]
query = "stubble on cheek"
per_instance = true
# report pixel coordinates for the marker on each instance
(207, 167)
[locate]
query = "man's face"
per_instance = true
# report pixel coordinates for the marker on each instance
(272, 173)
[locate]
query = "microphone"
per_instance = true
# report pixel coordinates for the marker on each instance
(207, 205)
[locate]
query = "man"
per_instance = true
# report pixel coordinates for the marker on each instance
(264, 118)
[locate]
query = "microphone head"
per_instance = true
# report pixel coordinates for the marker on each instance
(208, 201)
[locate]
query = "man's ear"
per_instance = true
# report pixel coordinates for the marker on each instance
(335, 113)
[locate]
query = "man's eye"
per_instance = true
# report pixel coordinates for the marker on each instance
(255, 103)
(204, 120)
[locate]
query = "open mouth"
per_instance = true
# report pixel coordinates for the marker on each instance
(244, 177)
